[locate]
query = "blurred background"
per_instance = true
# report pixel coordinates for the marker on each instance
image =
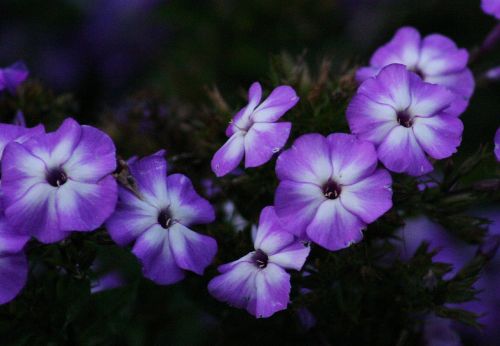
(143, 69)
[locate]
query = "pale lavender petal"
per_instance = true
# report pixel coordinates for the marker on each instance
(271, 237)
(334, 227)
(186, 206)
(440, 56)
(227, 158)
(292, 257)
(13, 275)
(401, 153)
(277, 103)
(390, 87)
(85, 206)
(439, 136)
(242, 119)
(150, 175)
(56, 148)
(131, 218)
(272, 287)
(192, 251)
(263, 140)
(428, 99)
(370, 120)
(93, 158)
(153, 250)
(296, 204)
(308, 160)
(352, 158)
(369, 198)
(404, 48)
(235, 286)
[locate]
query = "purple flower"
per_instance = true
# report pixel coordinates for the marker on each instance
(254, 132)
(435, 58)
(491, 7)
(258, 281)
(497, 144)
(59, 182)
(157, 218)
(11, 77)
(406, 119)
(331, 188)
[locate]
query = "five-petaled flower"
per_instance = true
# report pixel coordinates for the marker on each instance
(330, 188)
(254, 132)
(59, 182)
(435, 58)
(406, 119)
(258, 281)
(157, 218)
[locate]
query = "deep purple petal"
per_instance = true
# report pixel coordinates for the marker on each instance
(10, 240)
(364, 73)
(277, 103)
(153, 249)
(264, 140)
(370, 120)
(11, 77)
(229, 156)
(497, 144)
(271, 237)
(400, 152)
(308, 160)
(131, 218)
(186, 206)
(296, 204)
(85, 206)
(334, 227)
(491, 7)
(440, 135)
(93, 158)
(369, 198)
(352, 158)
(192, 251)
(13, 275)
(291, 257)
(272, 294)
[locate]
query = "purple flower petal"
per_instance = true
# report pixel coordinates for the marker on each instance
(439, 136)
(272, 292)
(404, 49)
(308, 160)
(10, 240)
(11, 77)
(271, 237)
(84, 206)
(369, 198)
(352, 159)
(236, 286)
(9, 133)
(392, 86)
(296, 204)
(334, 227)
(440, 56)
(154, 251)
(13, 275)
(186, 206)
(497, 144)
(263, 140)
(292, 257)
(192, 251)
(150, 175)
(491, 7)
(227, 158)
(370, 120)
(132, 217)
(400, 152)
(277, 103)
(93, 158)
(428, 99)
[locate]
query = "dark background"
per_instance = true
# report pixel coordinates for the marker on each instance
(143, 71)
